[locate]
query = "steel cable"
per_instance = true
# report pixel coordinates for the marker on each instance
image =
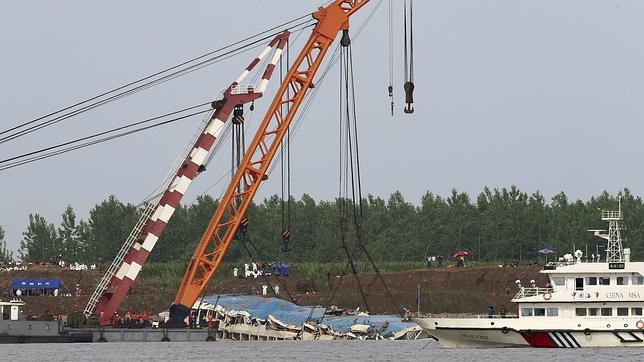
(25, 159)
(175, 71)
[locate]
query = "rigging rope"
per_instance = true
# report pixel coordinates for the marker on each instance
(390, 88)
(238, 144)
(352, 174)
(285, 157)
(122, 91)
(57, 149)
(346, 159)
(243, 237)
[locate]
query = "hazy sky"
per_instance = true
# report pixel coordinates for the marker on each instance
(545, 95)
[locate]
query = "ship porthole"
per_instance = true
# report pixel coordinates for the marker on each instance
(491, 323)
(435, 323)
(578, 325)
(504, 330)
(608, 326)
(587, 331)
(625, 325)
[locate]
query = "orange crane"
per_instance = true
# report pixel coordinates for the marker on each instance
(221, 230)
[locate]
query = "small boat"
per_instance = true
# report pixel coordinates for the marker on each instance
(586, 304)
(15, 328)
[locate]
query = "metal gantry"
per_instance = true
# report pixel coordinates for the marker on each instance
(614, 248)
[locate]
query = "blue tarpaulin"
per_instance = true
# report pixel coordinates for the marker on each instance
(279, 269)
(294, 314)
(35, 283)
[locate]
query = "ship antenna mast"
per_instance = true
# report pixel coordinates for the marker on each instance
(614, 250)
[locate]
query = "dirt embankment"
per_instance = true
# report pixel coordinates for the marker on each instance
(76, 287)
(467, 290)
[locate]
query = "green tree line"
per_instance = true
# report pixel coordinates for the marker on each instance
(5, 254)
(498, 225)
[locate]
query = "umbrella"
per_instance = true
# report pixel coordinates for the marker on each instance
(546, 251)
(461, 253)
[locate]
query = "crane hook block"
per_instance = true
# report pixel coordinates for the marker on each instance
(346, 41)
(243, 225)
(286, 238)
(391, 95)
(409, 96)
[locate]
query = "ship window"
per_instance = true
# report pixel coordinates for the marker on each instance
(607, 312)
(604, 281)
(622, 311)
(593, 311)
(526, 312)
(553, 312)
(539, 312)
(622, 280)
(591, 280)
(636, 311)
(579, 283)
(580, 312)
(559, 281)
(638, 280)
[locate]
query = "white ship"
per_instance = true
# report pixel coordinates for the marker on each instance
(587, 304)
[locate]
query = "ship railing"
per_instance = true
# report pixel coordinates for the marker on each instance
(531, 292)
(554, 264)
(612, 215)
(471, 316)
(493, 316)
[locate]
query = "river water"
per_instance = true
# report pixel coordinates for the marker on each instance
(308, 351)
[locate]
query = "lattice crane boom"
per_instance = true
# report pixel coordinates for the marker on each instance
(113, 288)
(261, 151)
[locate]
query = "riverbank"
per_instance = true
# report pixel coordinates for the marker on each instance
(462, 290)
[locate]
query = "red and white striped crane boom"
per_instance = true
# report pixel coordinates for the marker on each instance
(116, 282)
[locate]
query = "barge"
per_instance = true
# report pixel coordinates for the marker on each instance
(16, 328)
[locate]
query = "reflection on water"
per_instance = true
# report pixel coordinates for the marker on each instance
(300, 351)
